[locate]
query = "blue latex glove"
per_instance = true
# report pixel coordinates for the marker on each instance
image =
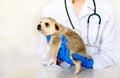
(85, 62)
(64, 52)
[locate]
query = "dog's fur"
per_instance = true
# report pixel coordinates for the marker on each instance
(49, 26)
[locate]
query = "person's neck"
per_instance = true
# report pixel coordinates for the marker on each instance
(77, 1)
(78, 5)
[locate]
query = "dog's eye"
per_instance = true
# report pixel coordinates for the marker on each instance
(47, 24)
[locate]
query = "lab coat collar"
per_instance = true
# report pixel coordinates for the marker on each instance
(88, 2)
(88, 8)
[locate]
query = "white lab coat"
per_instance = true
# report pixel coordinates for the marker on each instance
(106, 53)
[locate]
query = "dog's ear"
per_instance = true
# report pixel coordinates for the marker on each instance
(57, 27)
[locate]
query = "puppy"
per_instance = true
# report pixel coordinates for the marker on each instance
(49, 26)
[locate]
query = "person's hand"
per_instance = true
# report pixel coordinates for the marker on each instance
(85, 62)
(64, 52)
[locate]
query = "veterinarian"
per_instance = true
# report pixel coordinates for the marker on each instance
(94, 21)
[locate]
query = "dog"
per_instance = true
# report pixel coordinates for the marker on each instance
(49, 26)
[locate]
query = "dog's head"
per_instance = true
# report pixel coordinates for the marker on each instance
(48, 26)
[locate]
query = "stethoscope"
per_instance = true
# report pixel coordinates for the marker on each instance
(88, 22)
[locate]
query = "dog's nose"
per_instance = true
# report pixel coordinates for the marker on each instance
(39, 27)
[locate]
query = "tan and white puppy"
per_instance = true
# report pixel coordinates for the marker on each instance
(49, 26)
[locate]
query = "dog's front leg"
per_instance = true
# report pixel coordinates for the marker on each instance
(46, 55)
(46, 52)
(56, 43)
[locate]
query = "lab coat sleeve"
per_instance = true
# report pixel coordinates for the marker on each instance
(108, 52)
(42, 40)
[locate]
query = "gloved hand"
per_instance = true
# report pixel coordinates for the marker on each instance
(85, 62)
(64, 52)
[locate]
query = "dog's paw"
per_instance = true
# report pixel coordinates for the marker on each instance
(77, 71)
(51, 61)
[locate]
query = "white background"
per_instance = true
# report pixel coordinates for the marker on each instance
(18, 34)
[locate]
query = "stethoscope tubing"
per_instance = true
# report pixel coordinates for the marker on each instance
(88, 21)
(68, 15)
(94, 14)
